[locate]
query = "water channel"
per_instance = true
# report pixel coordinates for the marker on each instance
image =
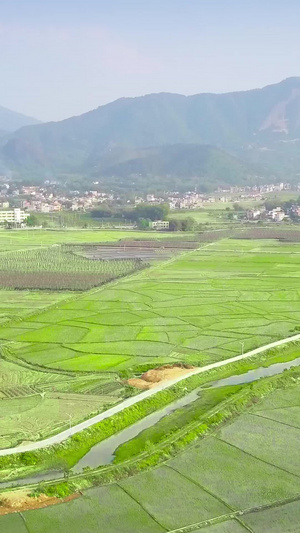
(104, 453)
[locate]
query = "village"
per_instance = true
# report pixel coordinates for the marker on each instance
(18, 203)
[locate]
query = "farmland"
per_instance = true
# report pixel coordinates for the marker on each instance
(35, 403)
(15, 305)
(199, 307)
(65, 363)
(24, 239)
(203, 306)
(226, 482)
(28, 394)
(60, 268)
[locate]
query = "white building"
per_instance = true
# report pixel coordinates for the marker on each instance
(277, 214)
(278, 217)
(15, 216)
(160, 224)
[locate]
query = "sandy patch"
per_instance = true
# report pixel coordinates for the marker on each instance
(151, 378)
(19, 500)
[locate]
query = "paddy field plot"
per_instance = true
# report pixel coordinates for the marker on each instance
(210, 481)
(35, 404)
(24, 239)
(15, 305)
(13, 523)
(203, 306)
(282, 519)
(60, 268)
(107, 509)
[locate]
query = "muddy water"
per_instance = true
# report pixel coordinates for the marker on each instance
(103, 453)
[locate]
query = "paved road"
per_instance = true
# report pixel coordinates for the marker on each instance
(60, 437)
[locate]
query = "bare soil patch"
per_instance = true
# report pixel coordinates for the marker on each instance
(152, 378)
(19, 500)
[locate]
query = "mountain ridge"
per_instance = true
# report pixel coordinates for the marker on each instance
(246, 124)
(11, 121)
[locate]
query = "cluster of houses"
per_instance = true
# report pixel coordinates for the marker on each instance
(44, 200)
(258, 189)
(277, 214)
(195, 200)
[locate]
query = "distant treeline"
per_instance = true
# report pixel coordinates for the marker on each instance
(141, 211)
(142, 214)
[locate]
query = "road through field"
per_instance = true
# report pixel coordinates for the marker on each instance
(60, 437)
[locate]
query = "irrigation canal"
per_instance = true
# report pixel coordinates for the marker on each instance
(104, 453)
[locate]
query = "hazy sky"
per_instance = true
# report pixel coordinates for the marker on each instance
(64, 57)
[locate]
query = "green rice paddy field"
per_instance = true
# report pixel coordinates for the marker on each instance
(35, 403)
(22, 239)
(62, 364)
(201, 307)
(16, 305)
(246, 477)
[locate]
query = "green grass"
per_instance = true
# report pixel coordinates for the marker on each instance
(31, 417)
(197, 308)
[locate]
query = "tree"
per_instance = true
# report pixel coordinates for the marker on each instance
(175, 224)
(188, 224)
(103, 211)
(184, 224)
(143, 223)
(237, 207)
(32, 220)
(153, 212)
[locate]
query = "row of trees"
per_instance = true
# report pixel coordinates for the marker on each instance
(175, 224)
(141, 211)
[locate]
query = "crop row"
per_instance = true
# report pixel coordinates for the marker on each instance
(62, 259)
(52, 280)
(59, 268)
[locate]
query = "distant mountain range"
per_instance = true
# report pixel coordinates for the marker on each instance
(11, 121)
(168, 141)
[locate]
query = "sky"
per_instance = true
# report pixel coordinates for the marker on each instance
(61, 58)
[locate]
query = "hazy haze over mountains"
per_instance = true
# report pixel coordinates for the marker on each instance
(220, 139)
